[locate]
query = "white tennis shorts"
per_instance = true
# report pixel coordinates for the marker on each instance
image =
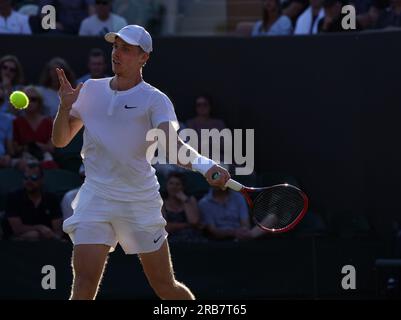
(138, 227)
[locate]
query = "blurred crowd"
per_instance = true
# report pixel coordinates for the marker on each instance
(308, 17)
(278, 17)
(79, 17)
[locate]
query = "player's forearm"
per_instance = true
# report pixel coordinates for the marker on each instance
(181, 145)
(184, 155)
(61, 128)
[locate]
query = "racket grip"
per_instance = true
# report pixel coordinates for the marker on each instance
(232, 184)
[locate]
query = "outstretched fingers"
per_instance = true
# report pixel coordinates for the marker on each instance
(65, 80)
(79, 87)
(60, 76)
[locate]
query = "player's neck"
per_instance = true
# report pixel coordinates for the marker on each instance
(122, 83)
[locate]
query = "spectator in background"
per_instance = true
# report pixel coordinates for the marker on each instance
(376, 9)
(50, 84)
(391, 16)
(11, 79)
(146, 13)
(273, 22)
(6, 136)
(134, 11)
(70, 13)
(12, 22)
(294, 9)
(332, 17)
(31, 213)
(204, 120)
(224, 214)
(96, 65)
(104, 21)
(32, 131)
(30, 9)
(307, 22)
(180, 211)
(66, 207)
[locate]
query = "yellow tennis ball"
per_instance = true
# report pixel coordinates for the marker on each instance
(19, 100)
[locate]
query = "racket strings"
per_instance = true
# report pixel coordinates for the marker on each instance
(278, 207)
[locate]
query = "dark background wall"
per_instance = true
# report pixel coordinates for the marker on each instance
(325, 109)
(308, 268)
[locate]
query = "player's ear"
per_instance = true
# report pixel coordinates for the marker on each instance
(145, 58)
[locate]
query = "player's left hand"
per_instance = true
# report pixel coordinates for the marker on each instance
(222, 178)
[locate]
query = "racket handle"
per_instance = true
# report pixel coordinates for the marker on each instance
(232, 184)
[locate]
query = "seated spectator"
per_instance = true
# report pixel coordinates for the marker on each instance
(102, 22)
(66, 207)
(273, 22)
(307, 22)
(224, 214)
(70, 13)
(333, 17)
(50, 85)
(391, 16)
(294, 9)
(11, 79)
(204, 120)
(368, 12)
(180, 211)
(28, 8)
(244, 28)
(6, 138)
(31, 213)
(96, 65)
(12, 22)
(150, 14)
(32, 131)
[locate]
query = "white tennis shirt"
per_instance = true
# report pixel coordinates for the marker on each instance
(114, 147)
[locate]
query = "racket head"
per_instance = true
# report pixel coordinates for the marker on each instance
(277, 208)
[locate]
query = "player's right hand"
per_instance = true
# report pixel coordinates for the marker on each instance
(222, 177)
(68, 95)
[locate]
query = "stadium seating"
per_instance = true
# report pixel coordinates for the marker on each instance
(10, 180)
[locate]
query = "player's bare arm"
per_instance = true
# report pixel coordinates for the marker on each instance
(65, 126)
(223, 176)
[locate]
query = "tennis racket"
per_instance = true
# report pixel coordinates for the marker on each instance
(278, 208)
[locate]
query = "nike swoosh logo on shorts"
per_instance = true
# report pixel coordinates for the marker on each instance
(155, 240)
(126, 107)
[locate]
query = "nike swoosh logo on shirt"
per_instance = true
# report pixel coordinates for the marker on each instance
(155, 240)
(126, 107)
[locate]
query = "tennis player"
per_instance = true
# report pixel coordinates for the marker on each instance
(119, 201)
